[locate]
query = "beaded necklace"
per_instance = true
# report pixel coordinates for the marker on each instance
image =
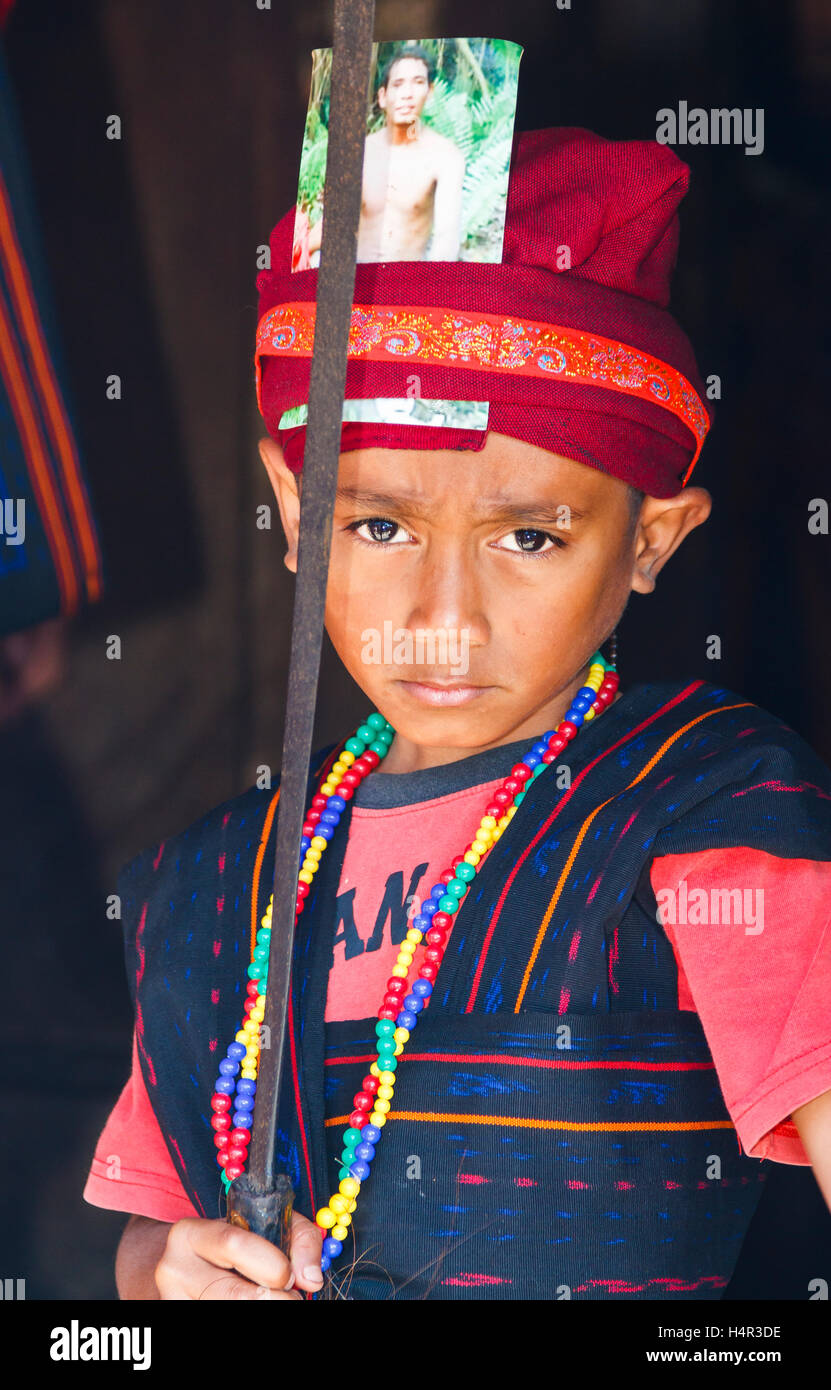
(233, 1098)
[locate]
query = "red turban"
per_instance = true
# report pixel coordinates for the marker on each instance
(568, 337)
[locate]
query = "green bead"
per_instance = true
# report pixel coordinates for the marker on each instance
(538, 769)
(351, 1136)
(388, 727)
(448, 904)
(382, 749)
(384, 1055)
(519, 798)
(261, 953)
(347, 1157)
(343, 1173)
(377, 721)
(385, 1028)
(255, 972)
(381, 736)
(264, 935)
(365, 733)
(466, 872)
(390, 1063)
(456, 888)
(356, 746)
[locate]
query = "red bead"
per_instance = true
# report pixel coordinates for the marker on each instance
(428, 971)
(313, 817)
(460, 859)
(370, 1084)
(396, 985)
(253, 987)
(557, 743)
(299, 907)
(447, 876)
(502, 798)
(302, 889)
(319, 803)
(249, 1005)
(387, 1011)
(362, 1102)
(512, 785)
(344, 790)
(393, 1001)
(549, 758)
(433, 955)
(240, 1137)
(236, 1154)
(494, 810)
(221, 1141)
(234, 1170)
(221, 1156)
(357, 1119)
(221, 1122)
(220, 1103)
(435, 937)
(361, 766)
(567, 729)
(308, 830)
(369, 757)
(441, 920)
(520, 772)
(351, 778)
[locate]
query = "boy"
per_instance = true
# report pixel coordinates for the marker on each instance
(625, 1017)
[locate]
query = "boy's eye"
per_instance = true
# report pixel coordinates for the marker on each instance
(529, 541)
(380, 529)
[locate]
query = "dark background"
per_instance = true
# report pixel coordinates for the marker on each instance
(151, 243)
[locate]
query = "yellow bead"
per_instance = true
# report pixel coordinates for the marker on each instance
(310, 866)
(328, 788)
(339, 1203)
(384, 1092)
(589, 714)
(386, 1078)
(240, 1036)
(339, 768)
(249, 1073)
(378, 1118)
(497, 833)
(314, 854)
(488, 822)
(350, 1187)
(401, 1035)
(266, 920)
(400, 972)
(471, 857)
(257, 1015)
(374, 1069)
(414, 935)
(347, 757)
(352, 1206)
(383, 1106)
(399, 1048)
(339, 1232)
(318, 842)
(326, 1218)
(305, 876)
(345, 1219)
(249, 1026)
(503, 821)
(511, 812)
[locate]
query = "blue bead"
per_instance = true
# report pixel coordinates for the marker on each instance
(242, 1120)
(246, 1087)
(325, 1263)
(366, 1152)
(305, 844)
(576, 717)
(336, 803)
(420, 922)
(228, 1067)
(429, 909)
(548, 735)
(422, 988)
(359, 1170)
(531, 759)
(225, 1086)
(540, 748)
(371, 1134)
(407, 1019)
(327, 831)
(437, 891)
(329, 817)
(244, 1102)
(413, 1004)
(236, 1050)
(332, 1247)
(586, 693)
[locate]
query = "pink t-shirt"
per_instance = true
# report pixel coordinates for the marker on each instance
(765, 1013)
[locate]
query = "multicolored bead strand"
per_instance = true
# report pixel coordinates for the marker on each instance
(402, 1006)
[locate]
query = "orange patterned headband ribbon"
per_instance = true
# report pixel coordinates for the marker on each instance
(489, 342)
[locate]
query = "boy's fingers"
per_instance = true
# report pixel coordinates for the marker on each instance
(230, 1247)
(228, 1286)
(306, 1243)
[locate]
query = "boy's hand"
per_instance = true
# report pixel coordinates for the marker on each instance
(215, 1260)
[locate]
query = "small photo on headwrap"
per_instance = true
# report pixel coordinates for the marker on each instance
(440, 127)
(402, 410)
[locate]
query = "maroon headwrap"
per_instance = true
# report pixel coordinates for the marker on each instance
(568, 337)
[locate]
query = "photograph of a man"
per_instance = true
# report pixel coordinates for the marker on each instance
(439, 131)
(411, 206)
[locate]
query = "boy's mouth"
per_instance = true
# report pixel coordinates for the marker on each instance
(442, 692)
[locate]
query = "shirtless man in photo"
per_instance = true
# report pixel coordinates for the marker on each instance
(412, 177)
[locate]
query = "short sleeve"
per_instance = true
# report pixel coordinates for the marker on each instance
(752, 935)
(132, 1170)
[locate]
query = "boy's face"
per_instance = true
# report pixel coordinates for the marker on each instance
(524, 560)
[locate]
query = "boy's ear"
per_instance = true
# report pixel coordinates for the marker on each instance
(662, 526)
(284, 483)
